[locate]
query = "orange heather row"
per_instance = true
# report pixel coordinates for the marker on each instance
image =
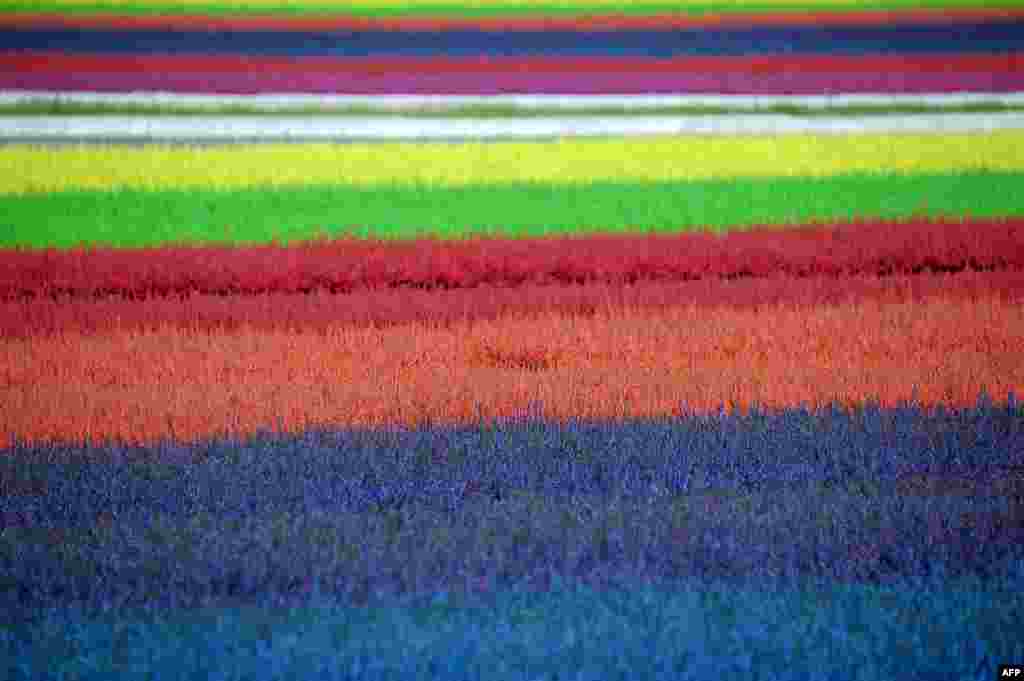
(319, 312)
(137, 387)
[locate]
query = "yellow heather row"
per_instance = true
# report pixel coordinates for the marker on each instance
(26, 169)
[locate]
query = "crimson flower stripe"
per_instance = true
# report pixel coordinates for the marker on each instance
(867, 247)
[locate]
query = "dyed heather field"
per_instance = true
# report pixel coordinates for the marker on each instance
(402, 48)
(746, 412)
(778, 440)
(157, 195)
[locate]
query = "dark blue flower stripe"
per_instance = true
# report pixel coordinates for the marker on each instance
(448, 471)
(727, 449)
(992, 37)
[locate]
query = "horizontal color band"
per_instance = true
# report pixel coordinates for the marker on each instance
(320, 312)
(175, 383)
(520, 83)
(44, 62)
(303, 128)
(33, 170)
(862, 248)
(845, 40)
(721, 76)
(634, 104)
(581, 23)
(140, 217)
(477, 8)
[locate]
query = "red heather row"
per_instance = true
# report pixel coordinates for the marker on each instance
(320, 312)
(584, 23)
(341, 266)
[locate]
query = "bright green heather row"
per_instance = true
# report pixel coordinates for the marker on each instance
(138, 217)
(477, 8)
(26, 169)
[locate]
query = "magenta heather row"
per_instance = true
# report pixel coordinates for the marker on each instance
(494, 83)
(319, 312)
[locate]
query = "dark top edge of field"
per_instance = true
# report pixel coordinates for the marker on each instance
(584, 21)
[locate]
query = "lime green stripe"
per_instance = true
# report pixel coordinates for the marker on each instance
(474, 9)
(28, 170)
(133, 218)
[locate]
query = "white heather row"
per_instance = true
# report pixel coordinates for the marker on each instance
(568, 102)
(199, 129)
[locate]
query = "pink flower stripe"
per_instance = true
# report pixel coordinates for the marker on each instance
(321, 312)
(567, 81)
